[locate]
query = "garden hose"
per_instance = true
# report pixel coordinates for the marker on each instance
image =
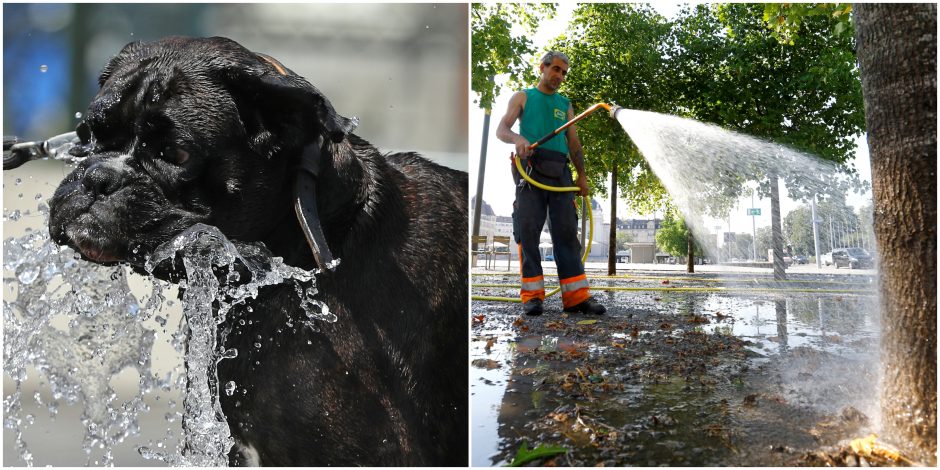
(585, 204)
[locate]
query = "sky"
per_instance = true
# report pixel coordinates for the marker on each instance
(498, 189)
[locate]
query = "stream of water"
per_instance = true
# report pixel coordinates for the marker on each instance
(80, 328)
(699, 163)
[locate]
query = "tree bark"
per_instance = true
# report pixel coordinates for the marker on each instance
(897, 51)
(690, 259)
(612, 251)
(780, 273)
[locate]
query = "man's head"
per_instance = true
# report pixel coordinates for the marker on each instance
(554, 68)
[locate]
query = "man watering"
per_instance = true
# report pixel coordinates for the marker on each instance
(540, 111)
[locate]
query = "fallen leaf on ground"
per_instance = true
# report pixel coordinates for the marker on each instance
(587, 322)
(525, 455)
(489, 344)
(487, 364)
(479, 318)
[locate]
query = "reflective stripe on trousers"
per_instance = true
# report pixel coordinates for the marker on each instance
(532, 288)
(574, 290)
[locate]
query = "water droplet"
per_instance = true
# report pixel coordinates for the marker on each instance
(160, 320)
(258, 345)
(18, 181)
(78, 115)
(15, 215)
(230, 388)
(229, 354)
(427, 26)
(43, 68)
(38, 196)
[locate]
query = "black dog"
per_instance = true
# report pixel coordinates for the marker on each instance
(186, 131)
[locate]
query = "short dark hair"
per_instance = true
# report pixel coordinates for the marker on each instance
(552, 55)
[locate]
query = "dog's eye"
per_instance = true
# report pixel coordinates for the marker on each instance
(175, 155)
(181, 156)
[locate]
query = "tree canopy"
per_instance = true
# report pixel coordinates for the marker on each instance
(494, 50)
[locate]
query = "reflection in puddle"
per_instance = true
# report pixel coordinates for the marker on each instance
(678, 378)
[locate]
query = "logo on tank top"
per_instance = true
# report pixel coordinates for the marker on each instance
(559, 114)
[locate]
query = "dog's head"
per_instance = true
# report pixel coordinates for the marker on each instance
(187, 130)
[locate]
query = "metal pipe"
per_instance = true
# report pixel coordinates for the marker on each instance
(612, 109)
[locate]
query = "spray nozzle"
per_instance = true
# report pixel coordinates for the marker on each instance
(16, 152)
(613, 110)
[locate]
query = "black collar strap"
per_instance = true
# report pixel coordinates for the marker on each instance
(305, 203)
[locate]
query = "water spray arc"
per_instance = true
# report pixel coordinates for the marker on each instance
(612, 110)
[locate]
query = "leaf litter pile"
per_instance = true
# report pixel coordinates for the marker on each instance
(662, 379)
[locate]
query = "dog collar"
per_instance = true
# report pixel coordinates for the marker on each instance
(305, 203)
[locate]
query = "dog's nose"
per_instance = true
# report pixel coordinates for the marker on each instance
(102, 179)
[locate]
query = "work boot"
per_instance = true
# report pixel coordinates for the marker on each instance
(533, 307)
(588, 306)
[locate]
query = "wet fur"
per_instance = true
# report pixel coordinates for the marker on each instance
(385, 384)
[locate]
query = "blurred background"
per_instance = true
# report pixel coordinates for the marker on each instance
(400, 68)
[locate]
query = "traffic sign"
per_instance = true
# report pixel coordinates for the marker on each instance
(753, 211)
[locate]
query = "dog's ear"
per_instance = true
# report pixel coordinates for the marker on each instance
(280, 109)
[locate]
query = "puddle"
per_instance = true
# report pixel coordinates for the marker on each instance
(752, 376)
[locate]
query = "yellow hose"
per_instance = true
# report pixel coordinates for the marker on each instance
(698, 289)
(585, 204)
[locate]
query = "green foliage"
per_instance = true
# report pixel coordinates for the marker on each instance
(524, 455)
(732, 71)
(764, 242)
(848, 228)
(786, 19)
(798, 231)
(494, 50)
(616, 57)
(673, 237)
(623, 237)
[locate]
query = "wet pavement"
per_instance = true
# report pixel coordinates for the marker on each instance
(705, 369)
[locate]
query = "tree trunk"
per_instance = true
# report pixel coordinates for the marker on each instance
(690, 260)
(897, 51)
(780, 273)
(612, 252)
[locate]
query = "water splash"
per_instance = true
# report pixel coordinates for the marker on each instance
(49, 286)
(102, 336)
(699, 162)
(203, 249)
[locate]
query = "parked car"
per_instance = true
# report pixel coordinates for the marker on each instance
(800, 259)
(854, 258)
(827, 258)
(623, 256)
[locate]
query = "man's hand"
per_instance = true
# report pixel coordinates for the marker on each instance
(522, 147)
(582, 183)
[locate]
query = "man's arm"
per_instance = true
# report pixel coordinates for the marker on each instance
(576, 153)
(504, 129)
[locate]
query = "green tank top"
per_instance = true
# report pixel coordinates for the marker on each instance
(543, 114)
